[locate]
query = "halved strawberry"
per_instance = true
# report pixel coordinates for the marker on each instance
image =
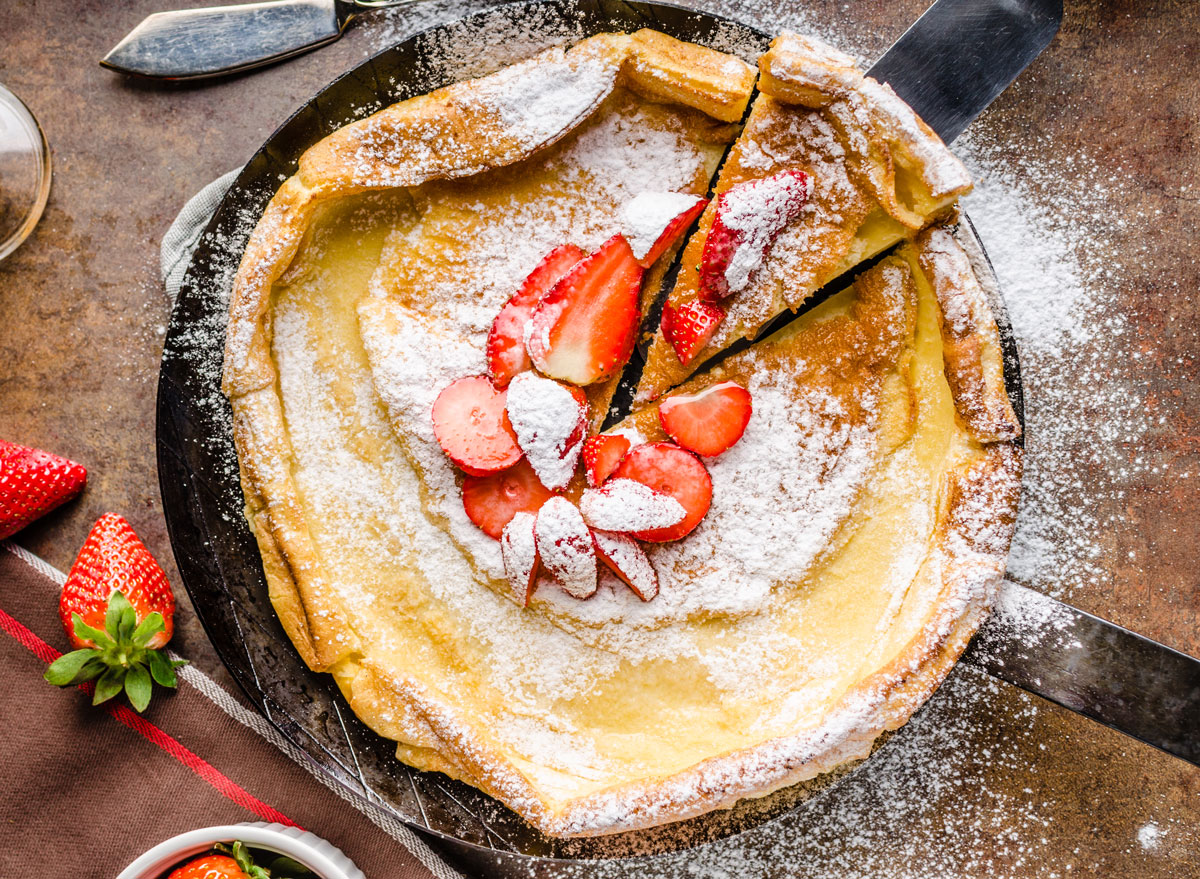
(709, 422)
(749, 217)
(518, 548)
(32, 483)
(506, 355)
(652, 221)
(689, 327)
(628, 561)
(564, 544)
(471, 427)
(491, 501)
(550, 420)
(628, 506)
(669, 469)
(601, 454)
(584, 329)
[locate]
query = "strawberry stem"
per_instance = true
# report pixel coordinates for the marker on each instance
(119, 659)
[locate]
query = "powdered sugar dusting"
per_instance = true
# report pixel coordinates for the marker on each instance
(645, 217)
(756, 212)
(549, 423)
(625, 505)
(760, 524)
(565, 547)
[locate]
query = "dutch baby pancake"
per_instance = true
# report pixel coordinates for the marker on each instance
(748, 579)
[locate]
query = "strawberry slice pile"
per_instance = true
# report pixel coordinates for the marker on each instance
(748, 219)
(519, 432)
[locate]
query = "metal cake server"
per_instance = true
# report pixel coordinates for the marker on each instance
(949, 66)
(961, 54)
(1093, 667)
(219, 40)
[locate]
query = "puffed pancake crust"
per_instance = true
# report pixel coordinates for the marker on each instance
(857, 531)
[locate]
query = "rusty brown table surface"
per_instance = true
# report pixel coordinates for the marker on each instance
(1043, 792)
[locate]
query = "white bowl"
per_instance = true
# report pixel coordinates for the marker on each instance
(323, 858)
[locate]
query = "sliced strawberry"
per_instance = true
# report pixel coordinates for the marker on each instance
(471, 427)
(669, 469)
(550, 420)
(749, 217)
(653, 221)
(628, 506)
(709, 422)
(518, 548)
(628, 561)
(492, 501)
(583, 330)
(506, 355)
(564, 544)
(689, 327)
(601, 454)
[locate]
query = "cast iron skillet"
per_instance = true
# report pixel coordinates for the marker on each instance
(217, 556)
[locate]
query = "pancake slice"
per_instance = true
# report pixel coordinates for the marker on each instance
(878, 174)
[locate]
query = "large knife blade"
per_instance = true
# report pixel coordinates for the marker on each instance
(1093, 667)
(219, 40)
(960, 54)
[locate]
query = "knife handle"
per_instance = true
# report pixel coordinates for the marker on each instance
(1093, 667)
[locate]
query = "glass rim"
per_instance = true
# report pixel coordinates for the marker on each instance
(16, 109)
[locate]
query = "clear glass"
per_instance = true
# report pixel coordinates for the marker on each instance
(24, 172)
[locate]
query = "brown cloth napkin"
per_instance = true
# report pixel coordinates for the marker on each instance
(87, 789)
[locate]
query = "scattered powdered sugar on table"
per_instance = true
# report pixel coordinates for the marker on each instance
(1047, 240)
(1149, 836)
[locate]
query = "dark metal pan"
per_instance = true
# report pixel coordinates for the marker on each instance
(216, 553)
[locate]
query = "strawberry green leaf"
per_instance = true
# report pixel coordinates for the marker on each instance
(117, 604)
(148, 628)
(109, 685)
(127, 624)
(162, 669)
(84, 632)
(137, 687)
(66, 670)
(284, 867)
(241, 854)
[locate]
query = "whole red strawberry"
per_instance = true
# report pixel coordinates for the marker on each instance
(209, 867)
(32, 483)
(233, 862)
(118, 609)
